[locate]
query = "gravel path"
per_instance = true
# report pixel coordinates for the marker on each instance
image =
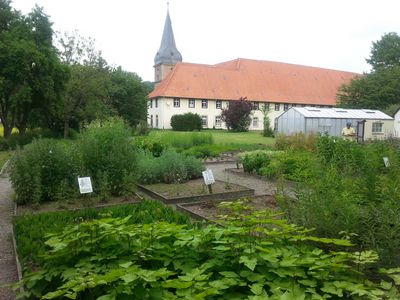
(8, 268)
(261, 187)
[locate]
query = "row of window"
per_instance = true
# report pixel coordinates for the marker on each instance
(204, 120)
(192, 103)
(218, 121)
(218, 104)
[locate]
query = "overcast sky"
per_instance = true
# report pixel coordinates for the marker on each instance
(335, 34)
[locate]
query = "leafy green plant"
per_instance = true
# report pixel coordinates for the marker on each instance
(42, 169)
(169, 167)
(253, 256)
(30, 230)
(297, 141)
(351, 190)
(107, 151)
(253, 161)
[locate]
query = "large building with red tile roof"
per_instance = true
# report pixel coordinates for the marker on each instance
(206, 89)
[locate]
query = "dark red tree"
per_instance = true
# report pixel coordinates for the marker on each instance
(237, 115)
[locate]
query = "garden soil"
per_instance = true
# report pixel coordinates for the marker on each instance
(8, 268)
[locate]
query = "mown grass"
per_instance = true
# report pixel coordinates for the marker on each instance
(223, 137)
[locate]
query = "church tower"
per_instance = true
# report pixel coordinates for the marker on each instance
(168, 55)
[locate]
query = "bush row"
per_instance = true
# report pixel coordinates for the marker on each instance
(186, 122)
(47, 170)
(169, 167)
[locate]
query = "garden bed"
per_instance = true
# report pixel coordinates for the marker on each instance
(74, 204)
(209, 210)
(194, 191)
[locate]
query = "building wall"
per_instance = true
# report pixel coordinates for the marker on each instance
(163, 109)
(397, 123)
(387, 129)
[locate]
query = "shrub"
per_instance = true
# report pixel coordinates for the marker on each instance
(114, 259)
(170, 167)
(297, 141)
(352, 191)
(186, 122)
(107, 151)
(237, 115)
(291, 165)
(153, 145)
(45, 171)
(254, 160)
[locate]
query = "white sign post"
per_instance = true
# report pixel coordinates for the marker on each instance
(208, 179)
(386, 161)
(85, 185)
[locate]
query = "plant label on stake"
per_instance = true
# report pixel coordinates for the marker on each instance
(386, 161)
(208, 179)
(85, 185)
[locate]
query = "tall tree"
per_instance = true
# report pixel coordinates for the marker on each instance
(87, 92)
(380, 88)
(129, 96)
(31, 75)
(237, 115)
(385, 53)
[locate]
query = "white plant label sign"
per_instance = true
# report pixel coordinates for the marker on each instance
(85, 185)
(386, 161)
(208, 177)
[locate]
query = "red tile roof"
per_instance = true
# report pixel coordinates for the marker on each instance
(255, 79)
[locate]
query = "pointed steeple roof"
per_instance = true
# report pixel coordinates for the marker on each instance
(168, 53)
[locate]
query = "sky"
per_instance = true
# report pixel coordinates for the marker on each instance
(333, 34)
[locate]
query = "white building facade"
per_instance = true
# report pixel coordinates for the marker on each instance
(207, 89)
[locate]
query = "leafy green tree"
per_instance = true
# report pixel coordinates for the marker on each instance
(385, 53)
(379, 89)
(267, 131)
(31, 75)
(86, 97)
(128, 96)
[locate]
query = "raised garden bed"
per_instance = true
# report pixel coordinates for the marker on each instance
(194, 191)
(209, 210)
(74, 204)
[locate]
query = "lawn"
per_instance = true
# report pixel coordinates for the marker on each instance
(250, 137)
(226, 137)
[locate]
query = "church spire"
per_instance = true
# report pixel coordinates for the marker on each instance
(168, 53)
